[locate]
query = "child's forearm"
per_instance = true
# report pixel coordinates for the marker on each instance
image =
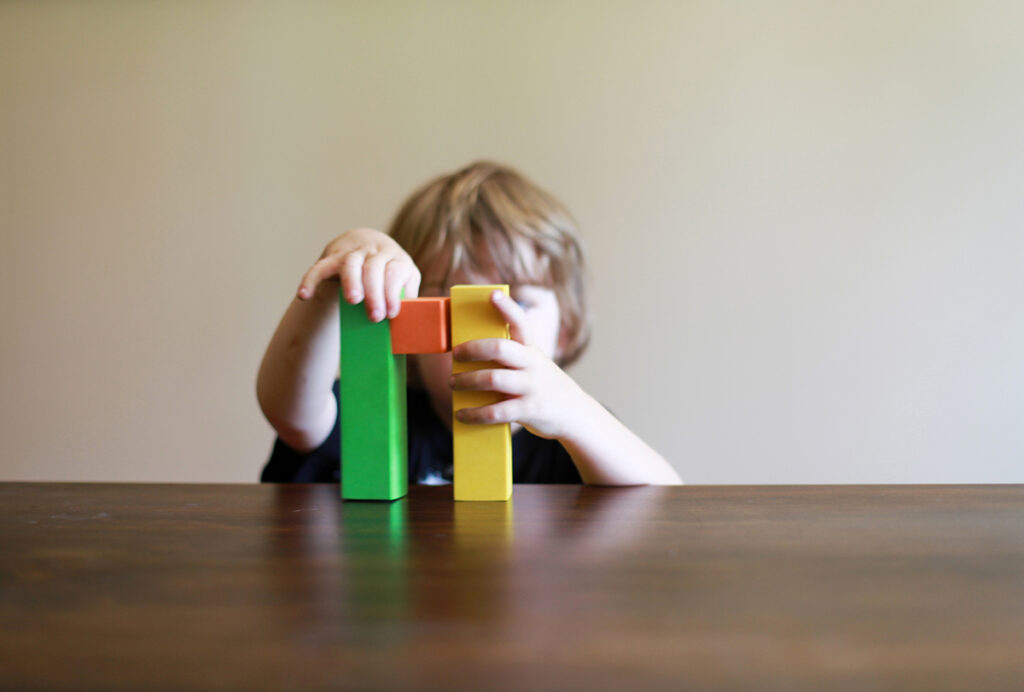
(542, 397)
(298, 370)
(606, 452)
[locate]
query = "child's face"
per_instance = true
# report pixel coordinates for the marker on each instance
(542, 314)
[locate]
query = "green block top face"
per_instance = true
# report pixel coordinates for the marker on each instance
(374, 448)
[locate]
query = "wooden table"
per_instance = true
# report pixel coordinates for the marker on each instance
(122, 586)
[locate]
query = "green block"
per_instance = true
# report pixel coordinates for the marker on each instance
(374, 430)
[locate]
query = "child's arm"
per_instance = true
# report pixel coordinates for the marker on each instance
(301, 362)
(549, 403)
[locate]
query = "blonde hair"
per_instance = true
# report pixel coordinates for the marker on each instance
(487, 217)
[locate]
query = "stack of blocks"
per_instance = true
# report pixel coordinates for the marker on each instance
(374, 444)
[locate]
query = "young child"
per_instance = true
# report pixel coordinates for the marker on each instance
(484, 224)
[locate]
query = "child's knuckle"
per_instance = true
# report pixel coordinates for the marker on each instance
(503, 349)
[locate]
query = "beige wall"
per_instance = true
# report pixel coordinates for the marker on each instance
(806, 219)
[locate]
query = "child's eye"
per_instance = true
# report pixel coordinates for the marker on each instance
(525, 302)
(527, 297)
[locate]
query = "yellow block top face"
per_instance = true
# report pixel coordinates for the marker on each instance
(483, 453)
(477, 318)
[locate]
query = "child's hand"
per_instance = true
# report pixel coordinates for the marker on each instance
(540, 395)
(370, 265)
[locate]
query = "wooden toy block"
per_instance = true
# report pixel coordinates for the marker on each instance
(482, 453)
(423, 325)
(374, 429)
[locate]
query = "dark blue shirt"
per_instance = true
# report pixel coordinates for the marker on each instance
(534, 459)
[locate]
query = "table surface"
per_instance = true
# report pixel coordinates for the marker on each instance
(269, 586)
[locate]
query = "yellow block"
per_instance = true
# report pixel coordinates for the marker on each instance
(483, 453)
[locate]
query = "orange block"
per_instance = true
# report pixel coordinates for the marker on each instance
(423, 325)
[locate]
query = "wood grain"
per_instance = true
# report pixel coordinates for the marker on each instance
(123, 586)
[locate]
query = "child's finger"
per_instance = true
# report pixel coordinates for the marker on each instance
(373, 285)
(509, 411)
(412, 284)
(501, 380)
(514, 314)
(395, 273)
(509, 354)
(351, 274)
(313, 276)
